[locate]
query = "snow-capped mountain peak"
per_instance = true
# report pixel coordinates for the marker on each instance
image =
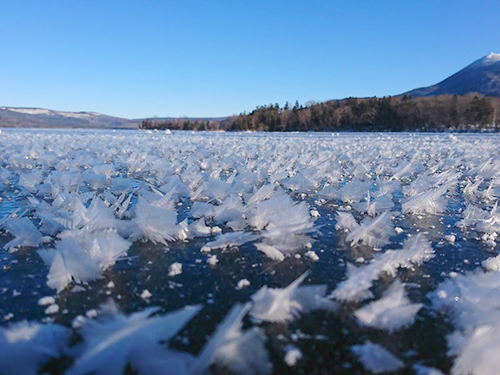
(493, 57)
(486, 61)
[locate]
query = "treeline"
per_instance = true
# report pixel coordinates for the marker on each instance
(181, 124)
(402, 113)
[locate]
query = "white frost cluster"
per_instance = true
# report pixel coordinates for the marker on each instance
(391, 312)
(376, 358)
(415, 251)
(280, 305)
(111, 342)
(473, 303)
(372, 232)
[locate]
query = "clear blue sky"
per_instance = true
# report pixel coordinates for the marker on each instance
(144, 58)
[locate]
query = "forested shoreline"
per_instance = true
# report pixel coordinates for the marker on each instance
(471, 112)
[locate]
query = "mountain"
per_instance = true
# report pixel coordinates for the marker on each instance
(46, 118)
(482, 76)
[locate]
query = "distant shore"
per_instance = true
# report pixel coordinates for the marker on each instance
(458, 113)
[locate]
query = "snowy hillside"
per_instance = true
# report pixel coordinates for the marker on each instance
(46, 118)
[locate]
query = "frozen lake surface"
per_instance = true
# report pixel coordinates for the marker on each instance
(249, 253)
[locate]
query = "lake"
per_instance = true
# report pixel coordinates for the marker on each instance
(391, 239)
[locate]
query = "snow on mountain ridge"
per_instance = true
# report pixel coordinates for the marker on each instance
(47, 118)
(486, 61)
(493, 57)
(48, 112)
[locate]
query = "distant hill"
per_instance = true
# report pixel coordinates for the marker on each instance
(46, 118)
(11, 117)
(482, 77)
